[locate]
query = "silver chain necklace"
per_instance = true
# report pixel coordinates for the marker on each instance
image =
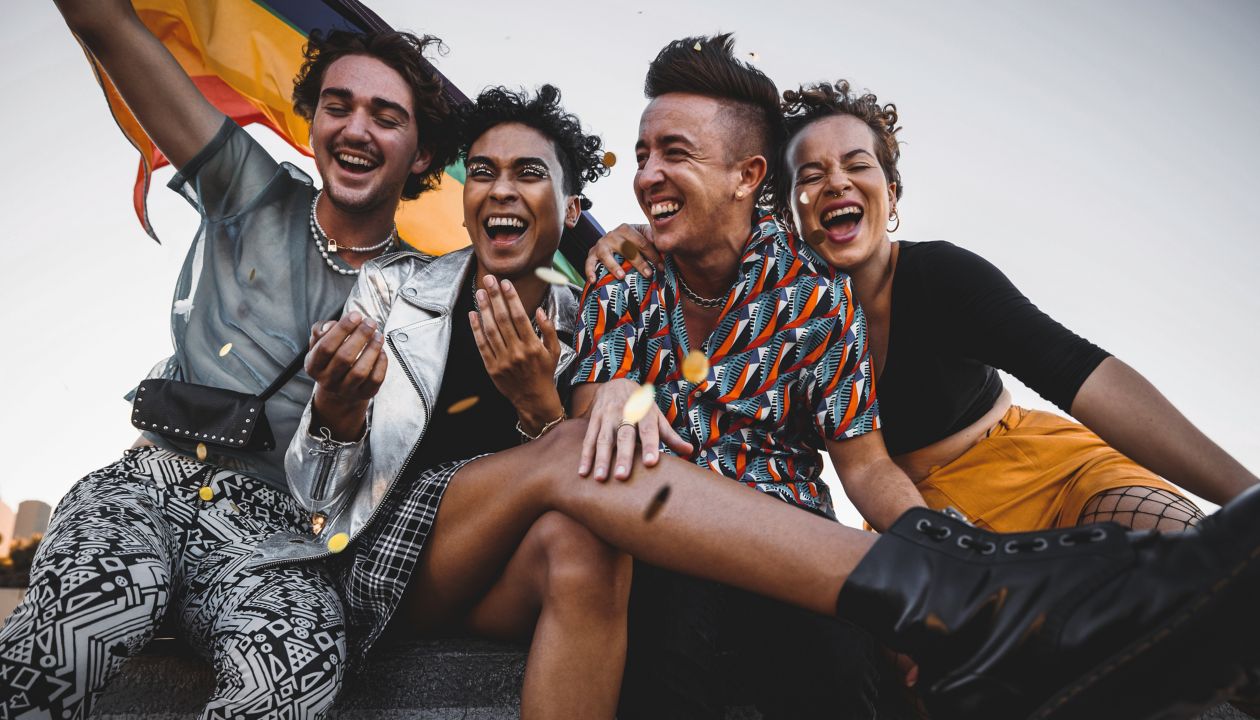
(703, 302)
(317, 232)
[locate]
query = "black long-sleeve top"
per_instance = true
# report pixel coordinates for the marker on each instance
(955, 317)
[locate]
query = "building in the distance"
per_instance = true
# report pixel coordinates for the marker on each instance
(6, 527)
(32, 518)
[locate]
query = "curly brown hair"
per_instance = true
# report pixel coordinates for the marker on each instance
(809, 103)
(433, 103)
(581, 156)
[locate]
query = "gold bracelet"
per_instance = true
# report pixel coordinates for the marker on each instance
(563, 416)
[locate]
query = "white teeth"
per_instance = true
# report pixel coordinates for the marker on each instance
(505, 222)
(847, 210)
(664, 208)
(354, 160)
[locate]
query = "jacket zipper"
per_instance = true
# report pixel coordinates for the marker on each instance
(428, 417)
(326, 462)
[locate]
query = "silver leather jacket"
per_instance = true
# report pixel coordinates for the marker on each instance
(411, 295)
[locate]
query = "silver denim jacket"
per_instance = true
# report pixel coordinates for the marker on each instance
(411, 296)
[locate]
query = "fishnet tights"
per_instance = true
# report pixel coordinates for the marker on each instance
(1142, 508)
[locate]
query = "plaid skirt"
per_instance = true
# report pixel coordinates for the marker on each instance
(373, 572)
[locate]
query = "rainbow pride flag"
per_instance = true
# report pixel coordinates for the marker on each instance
(243, 55)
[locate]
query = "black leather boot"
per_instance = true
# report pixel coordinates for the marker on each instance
(1080, 623)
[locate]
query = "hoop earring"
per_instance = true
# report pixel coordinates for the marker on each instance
(894, 216)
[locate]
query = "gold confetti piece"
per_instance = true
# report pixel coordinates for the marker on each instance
(227, 348)
(551, 275)
(817, 237)
(804, 198)
(639, 403)
(338, 542)
(657, 502)
(202, 452)
(696, 47)
(317, 523)
(460, 406)
(206, 493)
(610, 158)
(629, 250)
(251, 274)
(695, 367)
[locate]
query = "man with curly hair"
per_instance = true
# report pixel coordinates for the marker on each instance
(435, 363)
(166, 532)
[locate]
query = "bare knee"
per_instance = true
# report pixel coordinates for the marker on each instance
(581, 571)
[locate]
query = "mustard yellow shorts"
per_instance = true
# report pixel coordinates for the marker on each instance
(1033, 470)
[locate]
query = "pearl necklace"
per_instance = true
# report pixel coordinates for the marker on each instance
(317, 232)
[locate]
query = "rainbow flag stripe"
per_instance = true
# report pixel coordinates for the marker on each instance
(243, 55)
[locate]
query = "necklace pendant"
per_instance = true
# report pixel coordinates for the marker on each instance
(332, 245)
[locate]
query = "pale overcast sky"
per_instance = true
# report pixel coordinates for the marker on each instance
(1103, 154)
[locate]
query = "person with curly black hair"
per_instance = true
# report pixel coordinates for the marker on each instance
(169, 530)
(437, 362)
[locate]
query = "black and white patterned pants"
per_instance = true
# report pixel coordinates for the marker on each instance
(134, 543)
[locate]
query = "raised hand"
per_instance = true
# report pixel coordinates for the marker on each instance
(348, 366)
(520, 361)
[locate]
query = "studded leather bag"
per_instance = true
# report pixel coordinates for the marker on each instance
(204, 414)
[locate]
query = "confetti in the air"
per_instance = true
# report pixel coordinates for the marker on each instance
(696, 47)
(629, 250)
(338, 542)
(610, 158)
(202, 452)
(804, 198)
(639, 403)
(206, 493)
(551, 275)
(657, 502)
(460, 406)
(227, 348)
(695, 367)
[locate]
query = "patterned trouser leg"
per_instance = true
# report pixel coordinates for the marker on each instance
(131, 535)
(99, 587)
(276, 636)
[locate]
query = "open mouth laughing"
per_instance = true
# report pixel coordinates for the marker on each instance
(504, 228)
(663, 210)
(841, 222)
(355, 163)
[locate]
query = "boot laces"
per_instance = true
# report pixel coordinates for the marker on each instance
(1077, 536)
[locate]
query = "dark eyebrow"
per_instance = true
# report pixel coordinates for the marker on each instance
(817, 165)
(666, 140)
(378, 103)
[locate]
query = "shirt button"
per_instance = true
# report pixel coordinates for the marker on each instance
(338, 542)
(409, 291)
(401, 337)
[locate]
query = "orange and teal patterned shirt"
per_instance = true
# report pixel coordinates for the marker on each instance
(789, 364)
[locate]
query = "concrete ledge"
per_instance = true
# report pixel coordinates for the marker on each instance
(438, 680)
